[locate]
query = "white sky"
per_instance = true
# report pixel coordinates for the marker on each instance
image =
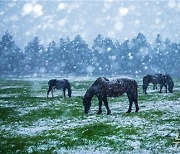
(51, 19)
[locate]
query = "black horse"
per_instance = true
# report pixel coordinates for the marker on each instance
(103, 88)
(154, 79)
(169, 83)
(59, 84)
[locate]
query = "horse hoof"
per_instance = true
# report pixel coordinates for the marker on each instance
(128, 111)
(108, 113)
(99, 112)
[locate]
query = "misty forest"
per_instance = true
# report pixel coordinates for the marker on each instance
(76, 57)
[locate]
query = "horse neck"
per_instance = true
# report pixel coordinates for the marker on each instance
(89, 93)
(69, 88)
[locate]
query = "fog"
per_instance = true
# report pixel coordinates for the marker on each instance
(89, 38)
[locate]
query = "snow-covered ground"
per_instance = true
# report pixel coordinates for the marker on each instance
(151, 121)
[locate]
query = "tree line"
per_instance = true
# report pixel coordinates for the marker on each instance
(75, 57)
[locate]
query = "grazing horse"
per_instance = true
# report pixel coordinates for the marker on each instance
(169, 83)
(103, 88)
(59, 84)
(154, 79)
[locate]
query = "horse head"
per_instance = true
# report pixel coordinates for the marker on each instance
(69, 90)
(169, 83)
(87, 104)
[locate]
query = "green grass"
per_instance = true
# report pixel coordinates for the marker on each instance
(81, 84)
(31, 122)
(96, 133)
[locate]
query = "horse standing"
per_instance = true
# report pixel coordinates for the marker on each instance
(103, 88)
(59, 84)
(154, 79)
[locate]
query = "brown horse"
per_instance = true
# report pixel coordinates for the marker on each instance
(59, 84)
(103, 88)
(154, 79)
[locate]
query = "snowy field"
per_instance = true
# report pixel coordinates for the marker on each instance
(31, 122)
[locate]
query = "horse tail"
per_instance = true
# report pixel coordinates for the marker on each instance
(135, 97)
(135, 91)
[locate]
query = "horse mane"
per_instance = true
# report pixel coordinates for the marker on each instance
(90, 91)
(169, 80)
(100, 80)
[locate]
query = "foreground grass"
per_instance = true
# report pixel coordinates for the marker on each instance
(30, 122)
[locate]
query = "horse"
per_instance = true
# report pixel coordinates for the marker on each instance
(59, 84)
(154, 79)
(103, 88)
(169, 83)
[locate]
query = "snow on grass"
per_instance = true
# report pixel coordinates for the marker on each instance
(59, 124)
(169, 106)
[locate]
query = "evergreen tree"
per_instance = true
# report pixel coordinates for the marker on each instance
(33, 60)
(10, 55)
(125, 54)
(103, 55)
(64, 45)
(79, 56)
(157, 58)
(75, 57)
(53, 58)
(139, 52)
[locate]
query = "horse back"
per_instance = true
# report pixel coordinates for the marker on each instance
(52, 83)
(129, 84)
(147, 79)
(61, 84)
(120, 86)
(159, 78)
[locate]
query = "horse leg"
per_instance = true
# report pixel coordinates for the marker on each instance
(50, 88)
(130, 97)
(136, 104)
(100, 105)
(69, 91)
(52, 93)
(166, 87)
(106, 105)
(145, 88)
(64, 92)
(154, 86)
(48, 92)
(130, 107)
(136, 101)
(161, 86)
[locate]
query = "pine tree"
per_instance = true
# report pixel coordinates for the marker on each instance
(33, 60)
(11, 56)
